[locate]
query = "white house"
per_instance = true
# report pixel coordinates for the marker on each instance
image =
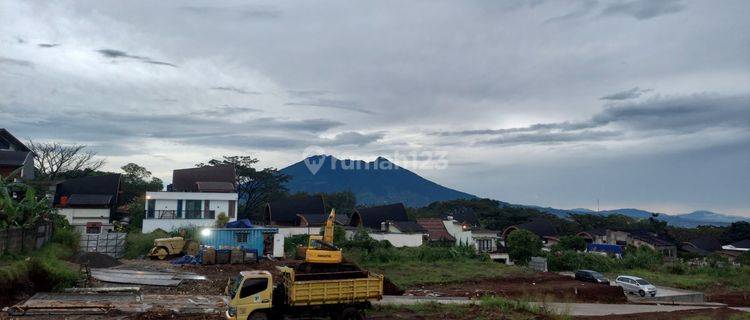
(89, 202)
(196, 198)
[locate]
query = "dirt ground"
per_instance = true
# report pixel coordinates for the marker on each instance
(544, 286)
(714, 314)
(731, 298)
(465, 313)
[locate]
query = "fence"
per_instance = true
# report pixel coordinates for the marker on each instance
(23, 239)
(112, 244)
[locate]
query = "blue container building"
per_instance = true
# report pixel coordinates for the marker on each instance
(244, 238)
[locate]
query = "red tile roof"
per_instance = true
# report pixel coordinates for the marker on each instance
(435, 228)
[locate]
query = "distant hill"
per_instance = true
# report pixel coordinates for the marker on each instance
(688, 220)
(377, 182)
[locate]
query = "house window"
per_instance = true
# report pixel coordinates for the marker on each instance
(210, 214)
(485, 245)
(241, 237)
(193, 209)
(151, 208)
(94, 230)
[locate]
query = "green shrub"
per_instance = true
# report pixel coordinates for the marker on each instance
(67, 237)
(291, 243)
(138, 244)
(571, 260)
(642, 258)
(574, 243)
(221, 220)
(49, 273)
(744, 259)
(522, 245)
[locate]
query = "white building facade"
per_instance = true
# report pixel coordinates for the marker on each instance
(174, 210)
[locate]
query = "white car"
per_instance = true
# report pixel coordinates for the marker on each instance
(637, 285)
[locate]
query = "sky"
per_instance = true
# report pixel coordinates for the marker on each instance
(634, 103)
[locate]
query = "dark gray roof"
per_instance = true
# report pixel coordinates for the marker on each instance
(210, 186)
(706, 243)
(284, 212)
(93, 185)
(89, 199)
(652, 240)
(186, 180)
(372, 217)
(742, 244)
(13, 158)
(409, 227)
(539, 226)
(313, 219)
(19, 146)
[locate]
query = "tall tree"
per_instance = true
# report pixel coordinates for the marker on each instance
(255, 187)
(53, 159)
(136, 180)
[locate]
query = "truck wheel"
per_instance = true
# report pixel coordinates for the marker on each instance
(352, 314)
(258, 315)
(160, 253)
(641, 293)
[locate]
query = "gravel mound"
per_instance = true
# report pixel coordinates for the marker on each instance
(96, 260)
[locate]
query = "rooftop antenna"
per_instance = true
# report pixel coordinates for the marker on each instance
(597, 205)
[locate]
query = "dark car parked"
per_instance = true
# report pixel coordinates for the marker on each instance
(591, 276)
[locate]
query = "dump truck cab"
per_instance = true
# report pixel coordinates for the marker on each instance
(251, 291)
(341, 296)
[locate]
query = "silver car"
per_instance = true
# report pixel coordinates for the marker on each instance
(637, 285)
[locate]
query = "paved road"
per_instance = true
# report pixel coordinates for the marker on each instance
(598, 309)
(573, 309)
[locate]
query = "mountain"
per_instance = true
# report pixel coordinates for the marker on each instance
(377, 182)
(688, 220)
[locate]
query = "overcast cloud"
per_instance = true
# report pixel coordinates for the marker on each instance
(557, 103)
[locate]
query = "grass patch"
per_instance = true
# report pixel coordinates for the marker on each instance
(487, 308)
(696, 278)
(138, 244)
(407, 267)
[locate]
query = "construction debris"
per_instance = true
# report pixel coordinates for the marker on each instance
(151, 278)
(115, 302)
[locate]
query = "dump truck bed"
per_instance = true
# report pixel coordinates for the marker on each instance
(335, 291)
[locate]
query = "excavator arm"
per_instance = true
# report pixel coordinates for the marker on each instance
(328, 232)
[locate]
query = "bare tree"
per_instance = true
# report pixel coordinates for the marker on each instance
(54, 159)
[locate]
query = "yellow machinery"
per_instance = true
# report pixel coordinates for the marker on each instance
(164, 247)
(252, 295)
(320, 249)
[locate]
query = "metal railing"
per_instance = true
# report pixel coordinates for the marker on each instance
(181, 214)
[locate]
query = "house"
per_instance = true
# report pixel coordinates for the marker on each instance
(88, 203)
(702, 246)
(306, 211)
(597, 236)
(742, 245)
(436, 231)
(464, 216)
(388, 222)
(14, 155)
(667, 248)
(539, 226)
(196, 198)
(484, 241)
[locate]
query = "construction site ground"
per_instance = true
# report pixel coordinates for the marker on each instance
(532, 287)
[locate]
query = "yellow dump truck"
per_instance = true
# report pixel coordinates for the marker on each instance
(340, 295)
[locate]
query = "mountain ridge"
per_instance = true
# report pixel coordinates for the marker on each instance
(382, 182)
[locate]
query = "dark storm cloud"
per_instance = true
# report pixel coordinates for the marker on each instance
(16, 62)
(234, 89)
(354, 138)
(117, 54)
(587, 6)
(330, 103)
(643, 9)
(658, 116)
(625, 95)
(48, 45)
(283, 142)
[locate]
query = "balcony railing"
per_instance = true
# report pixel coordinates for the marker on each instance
(182, 214)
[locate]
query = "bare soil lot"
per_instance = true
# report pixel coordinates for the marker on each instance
(730, 298)
(705, 314)
(539, 287)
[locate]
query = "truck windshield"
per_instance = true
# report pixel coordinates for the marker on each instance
(234, 285)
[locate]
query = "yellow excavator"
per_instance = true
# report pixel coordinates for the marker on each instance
(320, 249)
